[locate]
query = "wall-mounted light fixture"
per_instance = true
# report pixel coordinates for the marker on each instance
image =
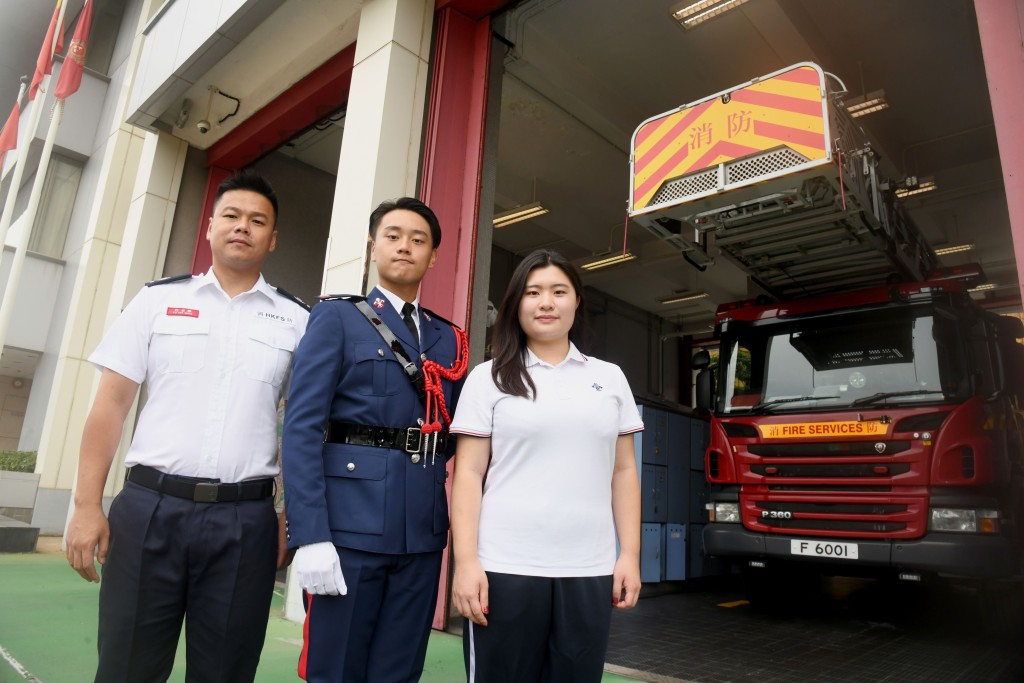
(955, 249)
(862, 105)
(606, 261)
(689, 13)
(519, 213)
(680, 297)
(914, 185)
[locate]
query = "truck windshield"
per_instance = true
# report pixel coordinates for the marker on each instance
(879, 357)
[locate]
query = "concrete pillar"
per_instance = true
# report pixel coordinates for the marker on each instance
(1001, 28)
(383, 130)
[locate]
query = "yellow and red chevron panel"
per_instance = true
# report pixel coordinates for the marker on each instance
(787, 108)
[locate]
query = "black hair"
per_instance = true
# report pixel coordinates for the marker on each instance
(509, 341)
(409, 204)
(249, 181)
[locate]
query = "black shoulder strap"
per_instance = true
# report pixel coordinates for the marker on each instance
(291, 297)
(169, 279)
(411, 371)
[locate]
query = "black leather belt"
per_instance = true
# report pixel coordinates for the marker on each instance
(408, 439)
(200, 490)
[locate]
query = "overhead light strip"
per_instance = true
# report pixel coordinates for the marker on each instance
(868, 104)
(982, 288)
(680, 297)
(926, 186)
(609, 261)
(520, 213)
(698, 12)
(955, 249)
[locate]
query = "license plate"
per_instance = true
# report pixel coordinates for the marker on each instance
(843, 551)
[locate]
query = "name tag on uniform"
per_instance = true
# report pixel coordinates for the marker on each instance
(187, 312)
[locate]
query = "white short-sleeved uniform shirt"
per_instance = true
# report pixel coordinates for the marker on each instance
(547, 500)
(215, 369)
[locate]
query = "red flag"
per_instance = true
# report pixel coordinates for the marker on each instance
(9, 135)
(74, 63)
(44, 63)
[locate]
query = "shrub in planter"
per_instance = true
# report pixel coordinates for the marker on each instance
(18, 461)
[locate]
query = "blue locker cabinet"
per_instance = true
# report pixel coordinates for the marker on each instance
(678, 468)
(653, 493)
(651, 554)
(699, 436)
(675, 552)
(654, 439)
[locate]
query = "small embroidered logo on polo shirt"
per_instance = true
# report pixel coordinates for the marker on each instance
(276, 317)
(378, 303)
(597, 387)
(187, 312)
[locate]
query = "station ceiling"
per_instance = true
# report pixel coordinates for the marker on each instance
(581, 75)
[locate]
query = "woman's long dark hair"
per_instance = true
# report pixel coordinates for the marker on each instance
(509, 341)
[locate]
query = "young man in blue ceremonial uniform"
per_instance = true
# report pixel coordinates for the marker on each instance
(364, 451)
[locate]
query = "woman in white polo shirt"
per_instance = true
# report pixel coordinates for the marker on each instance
(545, 477)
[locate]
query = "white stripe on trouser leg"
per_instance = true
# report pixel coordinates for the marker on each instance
(472, 654)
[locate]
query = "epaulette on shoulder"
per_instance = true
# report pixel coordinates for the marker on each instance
(341, 297)
(430, 314)
(169, 279)
(291, 297)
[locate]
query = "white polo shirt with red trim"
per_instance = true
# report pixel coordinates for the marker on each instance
(215, 368)
(547, 500)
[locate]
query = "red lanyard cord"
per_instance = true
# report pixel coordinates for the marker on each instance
(433, 373)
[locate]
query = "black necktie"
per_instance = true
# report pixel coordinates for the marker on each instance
(407, 311)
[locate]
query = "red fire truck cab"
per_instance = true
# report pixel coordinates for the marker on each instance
(875, 432)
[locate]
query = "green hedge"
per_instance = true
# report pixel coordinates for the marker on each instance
(18, 461)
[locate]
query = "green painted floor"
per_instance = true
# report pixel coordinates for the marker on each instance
(48, 626)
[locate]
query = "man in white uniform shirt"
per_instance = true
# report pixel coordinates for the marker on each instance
(194, 534)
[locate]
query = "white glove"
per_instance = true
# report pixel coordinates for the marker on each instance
(319, 569)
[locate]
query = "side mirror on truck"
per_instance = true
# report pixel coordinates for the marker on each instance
(705, 380)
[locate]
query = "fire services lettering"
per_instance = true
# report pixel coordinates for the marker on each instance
(805, 429)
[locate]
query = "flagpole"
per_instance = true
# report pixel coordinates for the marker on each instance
(18, 264)
(19, 164)
(14, 277)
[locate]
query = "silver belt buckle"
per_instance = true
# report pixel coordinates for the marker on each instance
(205, 493)
(418, 446)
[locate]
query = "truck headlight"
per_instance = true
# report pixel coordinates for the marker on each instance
(725, 512)
(963, 520)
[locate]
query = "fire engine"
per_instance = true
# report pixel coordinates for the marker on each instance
(865, 412)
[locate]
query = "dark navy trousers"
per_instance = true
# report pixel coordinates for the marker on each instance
(170, 559)
(378, 632)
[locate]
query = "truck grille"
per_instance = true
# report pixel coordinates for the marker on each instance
(851, 470)
(844, 489)
(805, 450)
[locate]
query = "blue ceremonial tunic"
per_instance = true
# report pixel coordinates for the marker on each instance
(362, 497)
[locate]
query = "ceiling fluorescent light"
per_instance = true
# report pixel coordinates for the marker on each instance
(680, 297)
(867, 104)
(919, 188)
(982, 288)
(520, 213)
(690, 13)
(609, 261)
(955, 249)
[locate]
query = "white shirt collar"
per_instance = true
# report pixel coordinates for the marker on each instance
(398, 302)
(208, 278)
(573, 355)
